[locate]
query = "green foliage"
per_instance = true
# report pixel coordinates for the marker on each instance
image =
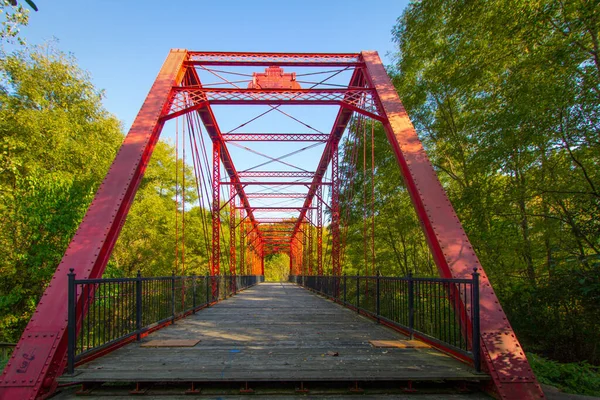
(580, 378)
(277, 267)
(56, 143)
(506, 99)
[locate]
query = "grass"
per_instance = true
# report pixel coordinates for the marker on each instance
(575, 378)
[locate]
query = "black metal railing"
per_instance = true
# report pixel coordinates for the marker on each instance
(112, 310)
(445, 312)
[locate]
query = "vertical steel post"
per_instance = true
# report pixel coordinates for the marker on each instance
(304, 249)
(194, 294)
(138, 306)
(345, 281)
(208, 292)
(411, 305)
(377, 287)
(335, 215)
(310, 243)
(358, 293)
(476, 345)
(232, 249)
(173, 298)
(320, 230)
(71, 323)
(242, 243)
(216, 220)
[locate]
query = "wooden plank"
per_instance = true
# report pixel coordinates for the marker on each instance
(171, 343)
(400, 344)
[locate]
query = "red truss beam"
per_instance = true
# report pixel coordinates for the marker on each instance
(267, 183)
(187, 98)
(212, 128)
(276, 174)
(276, 209)
(275, 137)
(268, 59)
(454, 255)
(232, 249)
(276, 195)
(339, 126)
(28, 377)
(278, 221)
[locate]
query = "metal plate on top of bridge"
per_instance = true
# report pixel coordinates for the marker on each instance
(400, 344)
(171, 343)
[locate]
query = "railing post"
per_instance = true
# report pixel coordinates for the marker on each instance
(357, 293)
(377, 286)
(173, 298)
(194, 294)
(476, 343)
(345, 281)
(138, 306)
(207, 290)
(71, 323)
(411, 305)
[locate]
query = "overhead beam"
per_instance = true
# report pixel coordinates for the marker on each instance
(276, 174)
(267, 183)
(275, 137)
(268, 59)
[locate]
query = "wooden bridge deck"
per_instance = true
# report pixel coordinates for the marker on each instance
(273, 332)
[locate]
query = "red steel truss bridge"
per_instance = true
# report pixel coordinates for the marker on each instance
(285, 204)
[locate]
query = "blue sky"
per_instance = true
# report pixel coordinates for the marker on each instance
(122, 44)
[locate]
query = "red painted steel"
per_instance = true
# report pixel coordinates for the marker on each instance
(310, 242)
(339, 126)
(232, 246)
(268, 59)
(187, 98)
(273, 78)
(275, 137)
(319, 232)
(40, 355)
(275, 174)
(215, 267)
(336, 269)
(242, 244)
(267, 183)
(276, 195)
(503, 356)
(212, 128)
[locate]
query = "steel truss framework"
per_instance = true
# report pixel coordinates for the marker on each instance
(39, 357)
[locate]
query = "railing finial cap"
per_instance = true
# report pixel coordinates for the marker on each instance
(72, 270)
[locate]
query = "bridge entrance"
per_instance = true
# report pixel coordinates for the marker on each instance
(274, 207)
(275, 333)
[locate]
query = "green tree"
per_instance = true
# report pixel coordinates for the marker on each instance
(56, 144)
(505, 96)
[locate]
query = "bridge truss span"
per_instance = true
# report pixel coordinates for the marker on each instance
(284, 209)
